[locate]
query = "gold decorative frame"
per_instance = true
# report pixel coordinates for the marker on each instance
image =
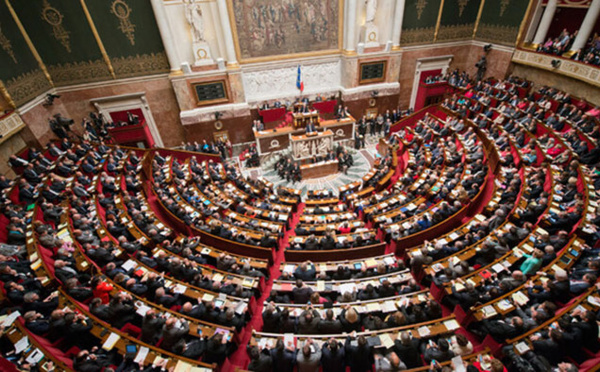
(376, 80)
(225, 99)
(279, 57)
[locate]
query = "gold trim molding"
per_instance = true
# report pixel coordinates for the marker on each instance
(79, 72)
(137, 65)
(506, 35)
(576, 70)
(26, 87)
(455, 32)
(417, 35)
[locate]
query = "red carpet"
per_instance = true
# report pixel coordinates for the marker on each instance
(240, 357)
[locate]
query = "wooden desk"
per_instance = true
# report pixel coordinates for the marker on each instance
(343, 129)
(321, 169)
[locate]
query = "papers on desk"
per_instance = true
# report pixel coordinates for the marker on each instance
(129, 265)
(141, 355)
(10, 319)
(389, 260)
(207, 297)
(451, 324)
(504, 305)
(459, 287)
(424, 331)
(386, 340)
(240, 307)
(142, 309)
(388, 307)
(498, 267)
(489, 311)
(593, 300)
(522, 347)
(35, 356)
(288, 339)
(111, 341)
(179, 288)
(21, 345)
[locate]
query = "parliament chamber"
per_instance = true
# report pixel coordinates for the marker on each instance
(300, 185)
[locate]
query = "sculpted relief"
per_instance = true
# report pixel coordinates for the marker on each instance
(267, 27)
(281, 82)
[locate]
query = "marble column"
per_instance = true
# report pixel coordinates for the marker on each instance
(542, 31)
(351, 26)
(226, 27)
(398, 18)
(166, 35)
(587, 26)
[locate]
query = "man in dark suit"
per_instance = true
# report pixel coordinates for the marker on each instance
(173, 335)
(306, 271)
(36, 323)
(271, 319)
(301, 293)
(360, 357)
(332, 356)
(589, 329)
(440, 352)
(260, 361)
(283, 357)
(152, 327)
(329, 325)
(407, 349)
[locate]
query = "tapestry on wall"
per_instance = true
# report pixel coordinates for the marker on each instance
(267, 28)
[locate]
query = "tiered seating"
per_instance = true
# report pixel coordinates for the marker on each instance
(475, 229)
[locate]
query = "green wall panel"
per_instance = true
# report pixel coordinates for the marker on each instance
(61, 33)
(20, 71)
(130, 36)
(420, 18)
(500, 20)
(458, 20)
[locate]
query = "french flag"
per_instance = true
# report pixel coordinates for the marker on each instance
(299, 82)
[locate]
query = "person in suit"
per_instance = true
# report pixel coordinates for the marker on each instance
(588, 326)
(173, 335)
(216, 349)
(283, 358)
(329, 325)
(309, 357)
(305, 271)
(301, 293)
(333, 356)
(260, 361)
(152, 326)
(310, 127)
(360, 357)
(439, 351)
(308, 321)
(36, 323)
(407, 349)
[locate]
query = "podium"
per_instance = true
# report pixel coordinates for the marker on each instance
(306, 146)
(302, 119)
